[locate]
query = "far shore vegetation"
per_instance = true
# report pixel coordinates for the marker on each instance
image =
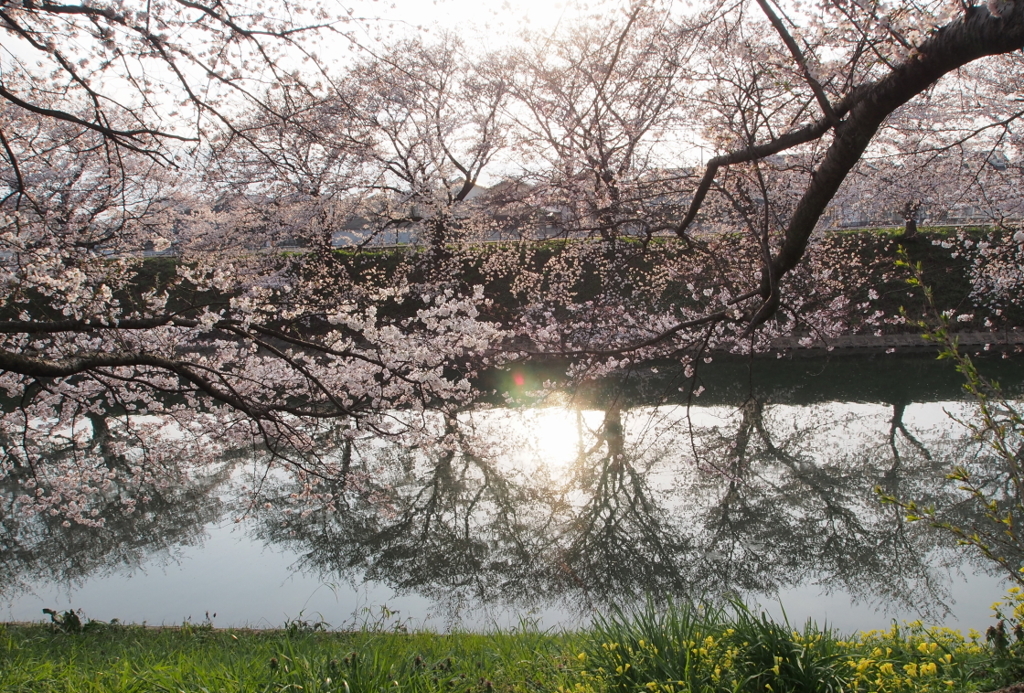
(673, 649)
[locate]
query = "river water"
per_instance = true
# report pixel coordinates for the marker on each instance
(763, 488)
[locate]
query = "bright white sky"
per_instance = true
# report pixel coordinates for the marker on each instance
(487, 22)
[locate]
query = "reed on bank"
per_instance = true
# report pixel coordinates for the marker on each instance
(678, 649)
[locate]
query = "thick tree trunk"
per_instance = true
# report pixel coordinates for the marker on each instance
(975, 35)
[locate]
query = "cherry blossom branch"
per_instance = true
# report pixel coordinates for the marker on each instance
(975, 35)
(712, 318)
(801, 61)
(808, 133)
(122, 137)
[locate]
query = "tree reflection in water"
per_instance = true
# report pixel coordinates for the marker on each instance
(531, 506)
(132, 517)
(658, 501)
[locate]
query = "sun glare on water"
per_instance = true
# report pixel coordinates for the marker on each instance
(551, 436)
(555, 431)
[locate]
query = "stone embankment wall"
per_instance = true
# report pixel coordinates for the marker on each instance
(1010, 340)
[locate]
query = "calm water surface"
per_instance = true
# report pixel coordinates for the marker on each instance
(763, 488)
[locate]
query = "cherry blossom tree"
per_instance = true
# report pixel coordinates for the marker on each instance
(941, 165)
(231, 344)
(148, 76)
(92, 332)
(292, 176)
(225, 346)
(836, 80)
(435, 115)
(599, 115)
(789, 106)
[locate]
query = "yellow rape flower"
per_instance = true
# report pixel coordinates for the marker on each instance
(911, 669)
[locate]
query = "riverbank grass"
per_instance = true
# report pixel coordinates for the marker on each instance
(681, 649)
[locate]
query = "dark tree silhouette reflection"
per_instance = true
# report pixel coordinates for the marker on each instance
(578, 506)
(657, 502)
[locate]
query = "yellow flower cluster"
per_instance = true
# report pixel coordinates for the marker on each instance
(908, 659)
(704, 657)
(1011, 607)
(577, 688)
